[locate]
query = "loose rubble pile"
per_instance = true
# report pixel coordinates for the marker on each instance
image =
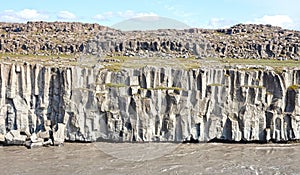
(48, 137)
(240, 41)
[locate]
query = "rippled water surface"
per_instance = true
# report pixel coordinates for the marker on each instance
(152, 158)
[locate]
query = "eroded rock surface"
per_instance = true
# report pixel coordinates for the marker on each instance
(63, 38)
(147, 104)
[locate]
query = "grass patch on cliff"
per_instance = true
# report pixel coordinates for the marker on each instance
(113, 67)
(167, 88)
(121, 62)
(137, 62)
(188, 63)
(35, 56)
(60, 60)
(294, 87)
(115, 85)
(263, 62)
(163, 88)
(253, 86)
(216, 84)
(117, 63)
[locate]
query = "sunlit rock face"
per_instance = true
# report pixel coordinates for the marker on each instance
(149, 103)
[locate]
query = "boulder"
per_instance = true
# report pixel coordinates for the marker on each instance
(59, 134)
(14, 137)
(43, 134)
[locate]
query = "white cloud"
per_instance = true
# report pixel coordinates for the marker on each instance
(100, 17)
(283, 21)
(145, 14)
(131, 14)
(22, 16)
(297, 25)
(215, 23)
(105, 16)
(66, 15)
(122, 14)
(29, 14)
(276, 20)
(169, 7)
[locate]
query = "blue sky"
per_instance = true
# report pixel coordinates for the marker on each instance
(195, 13)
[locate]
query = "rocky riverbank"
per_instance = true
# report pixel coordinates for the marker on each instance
(62, 38)
(43, 104)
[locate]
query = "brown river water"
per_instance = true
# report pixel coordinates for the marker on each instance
(152, 158)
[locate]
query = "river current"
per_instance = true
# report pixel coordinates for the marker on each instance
(152, 158)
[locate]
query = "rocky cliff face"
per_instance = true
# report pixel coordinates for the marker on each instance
(149, 103)
(240, 41)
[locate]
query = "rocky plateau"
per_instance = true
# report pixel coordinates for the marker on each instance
(62, 38)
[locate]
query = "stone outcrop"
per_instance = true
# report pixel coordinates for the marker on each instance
(47, 38)
(41, 103)
(239, 41)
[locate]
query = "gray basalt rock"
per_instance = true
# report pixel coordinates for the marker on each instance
(152, 103)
